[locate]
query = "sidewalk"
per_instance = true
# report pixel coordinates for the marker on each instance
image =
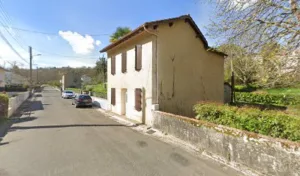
(147, 130)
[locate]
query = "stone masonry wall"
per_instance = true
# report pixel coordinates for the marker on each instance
(254, 153)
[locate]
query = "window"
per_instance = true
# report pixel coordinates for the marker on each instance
(138, 99)
(124, 62)
(113, 65)
(138, 57)
(113, 96)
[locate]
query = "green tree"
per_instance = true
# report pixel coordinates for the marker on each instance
(101, 69)
(119, 33)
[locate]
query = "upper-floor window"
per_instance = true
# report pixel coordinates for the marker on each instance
(113, 65)
(138, 57)
(124, 62)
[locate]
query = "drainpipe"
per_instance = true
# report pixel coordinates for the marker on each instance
(156, 36)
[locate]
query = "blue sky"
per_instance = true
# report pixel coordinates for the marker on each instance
(69, 21)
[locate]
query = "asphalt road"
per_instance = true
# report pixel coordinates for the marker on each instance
(57, 139)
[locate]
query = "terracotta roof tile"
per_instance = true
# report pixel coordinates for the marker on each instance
(187, 18)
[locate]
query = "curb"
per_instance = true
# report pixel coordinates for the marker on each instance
(118, 119)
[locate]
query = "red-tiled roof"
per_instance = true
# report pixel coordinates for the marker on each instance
(136, 31)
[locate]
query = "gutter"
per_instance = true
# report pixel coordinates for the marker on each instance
(156, 36)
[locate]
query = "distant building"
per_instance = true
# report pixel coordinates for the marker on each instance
(70, 80)
(2, 77)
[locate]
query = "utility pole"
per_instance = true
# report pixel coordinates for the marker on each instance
(37, 74)
(30, 67)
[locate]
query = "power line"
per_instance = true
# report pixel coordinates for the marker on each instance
(66, 56)
(11, 47)
(47, 33)
(8, 20)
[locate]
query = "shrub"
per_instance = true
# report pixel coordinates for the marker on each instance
(244, 88)
(15, 88)
(3, 105)
(264, 98)
(271, 123)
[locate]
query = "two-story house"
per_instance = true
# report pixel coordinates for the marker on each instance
(70, 80)
(163, 65)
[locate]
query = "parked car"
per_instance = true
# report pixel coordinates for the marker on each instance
(82, 100)
(67, 94)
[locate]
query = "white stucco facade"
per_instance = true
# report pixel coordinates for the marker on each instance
(126, 83)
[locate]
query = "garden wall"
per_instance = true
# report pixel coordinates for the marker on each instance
(246, 151)
(100, 102)
(15, 102)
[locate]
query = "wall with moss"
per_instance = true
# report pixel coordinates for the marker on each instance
(246, 151)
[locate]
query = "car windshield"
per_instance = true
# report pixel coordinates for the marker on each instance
(68, 92)
(85, 97)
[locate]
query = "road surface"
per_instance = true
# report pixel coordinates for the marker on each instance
(57, 139)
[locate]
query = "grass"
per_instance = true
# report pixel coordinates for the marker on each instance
(292, 91)
(76, 90)
(294, 109)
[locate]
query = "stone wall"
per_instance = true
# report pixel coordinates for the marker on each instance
(100, 102)
(252, 153)
(15, 102)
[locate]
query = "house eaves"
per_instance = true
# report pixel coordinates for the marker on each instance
(141, 28)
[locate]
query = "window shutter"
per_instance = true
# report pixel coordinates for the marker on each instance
(138, 57)
(113, 65)
(138, 99)
(113, 96)
(124, 62)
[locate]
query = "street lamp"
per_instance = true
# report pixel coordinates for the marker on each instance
(37, 55)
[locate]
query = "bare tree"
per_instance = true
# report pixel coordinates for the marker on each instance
(265, 20)
(243, 63)
(277, 66)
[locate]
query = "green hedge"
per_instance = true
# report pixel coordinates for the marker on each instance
(271, 123)
(244, 88)
(16, 88)
(265, 98)
(3, 105)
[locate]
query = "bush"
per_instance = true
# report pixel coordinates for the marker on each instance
(271, 123)
(15, 88)
(3, 105)
(244, 88)
(264, 98)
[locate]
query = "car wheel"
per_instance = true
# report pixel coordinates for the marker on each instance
(91, 106)
(76, 106)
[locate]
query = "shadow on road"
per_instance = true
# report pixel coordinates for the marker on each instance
(38, 95)
(36, 106)
(65, 126)
(24, 119)
(96, 104)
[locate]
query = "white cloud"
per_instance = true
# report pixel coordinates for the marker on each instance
(49, 38)
(240, 4)
(64, 62)
(79, 43)
(98, 42)
(7, 55)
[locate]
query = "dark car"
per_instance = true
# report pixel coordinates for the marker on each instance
(82, 101)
